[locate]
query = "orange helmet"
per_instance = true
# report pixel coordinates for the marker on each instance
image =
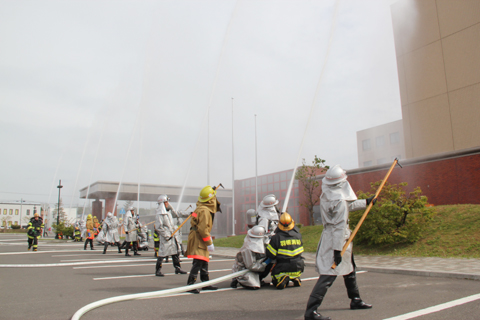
(286, 222)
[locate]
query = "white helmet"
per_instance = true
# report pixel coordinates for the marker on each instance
(269, 201)
(163, 198)
(109, 215)
(335, 175)
(131, 208)
(257, 232)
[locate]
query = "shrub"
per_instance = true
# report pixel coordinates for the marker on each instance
(395, 218)
(15, 226)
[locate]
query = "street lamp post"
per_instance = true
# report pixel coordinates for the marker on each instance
(58, 209)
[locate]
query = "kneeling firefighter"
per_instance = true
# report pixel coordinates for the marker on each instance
(199, 240)
(252, 257)
(286, 246)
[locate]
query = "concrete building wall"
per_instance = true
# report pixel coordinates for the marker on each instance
(380, 144)
(437, 45)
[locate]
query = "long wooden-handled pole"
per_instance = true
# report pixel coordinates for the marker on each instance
(182, 223)
(359, 224)
(142, 226)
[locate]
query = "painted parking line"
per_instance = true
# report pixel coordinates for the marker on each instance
(136, 265)
(126, 259)
(152, 275)
(436, 308)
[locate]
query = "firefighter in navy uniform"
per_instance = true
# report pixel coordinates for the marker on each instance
(286, 246)
(77, 233)
(156, 240)
(34, 231)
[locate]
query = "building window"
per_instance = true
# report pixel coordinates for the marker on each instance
(283, 176)
(4, 211)
(247, 183)
(16, 212)
(11, 211)
(367, 163)
(270, 187)
(394, 138)
(270, 179)
(276, 177)
(264, 179)
(366, 145)
(276, 186)
(16, 223)
(9, 223)
(28, 212)
(380, 141)
(381, 161)
(283, 185)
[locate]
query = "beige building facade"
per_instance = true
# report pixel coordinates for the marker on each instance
(437, 45)
(380, 144)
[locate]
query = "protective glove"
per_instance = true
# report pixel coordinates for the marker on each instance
(337, 257)
(370, 200)
(267, 261)
(126, 232)
(211, 248)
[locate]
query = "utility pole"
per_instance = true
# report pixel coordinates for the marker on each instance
(58, 210)
(233, 180)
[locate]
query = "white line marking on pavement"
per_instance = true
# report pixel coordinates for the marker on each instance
(120, 266)
(151, 275)
(126, 259)
(37, 252)
(436, 308)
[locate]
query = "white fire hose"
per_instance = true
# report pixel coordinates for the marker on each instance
(68, 264)
(153, 294)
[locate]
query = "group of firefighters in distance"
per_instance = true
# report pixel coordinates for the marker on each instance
(272, 246)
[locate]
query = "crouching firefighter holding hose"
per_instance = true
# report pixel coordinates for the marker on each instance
(199, 240)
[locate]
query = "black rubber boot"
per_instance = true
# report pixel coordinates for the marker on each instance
(127, 246)
(191, 280)
(357, 303)
(85, 245)
(316, 298)
(176, 265)
(135, 249)
(158, 267)
(234, 283)
(105, 248)
(204, 277)
(118, 245)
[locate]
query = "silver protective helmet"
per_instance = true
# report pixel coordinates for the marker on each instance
(109, 215)
(335, 175)
(257, 232)
(163, 198)
(269, 201)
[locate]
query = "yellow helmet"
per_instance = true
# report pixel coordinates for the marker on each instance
(36, 215)
(286, 222)
(89, 217)
(206, 194)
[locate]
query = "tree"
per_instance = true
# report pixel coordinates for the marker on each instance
(127, 205)
(62, 216)
(311, 187)
(395, 218)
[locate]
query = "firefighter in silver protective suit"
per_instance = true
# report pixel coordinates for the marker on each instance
(130, 227)
(336, 202)
(252, 257)
(110, 229)
(268, 214)
(169, 246)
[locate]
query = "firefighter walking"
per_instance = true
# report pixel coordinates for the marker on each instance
(34, 231)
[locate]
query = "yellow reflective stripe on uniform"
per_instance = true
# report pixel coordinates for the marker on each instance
(272, 250)
(291, 275)
(290, 253)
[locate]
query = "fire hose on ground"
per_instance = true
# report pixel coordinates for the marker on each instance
(153, 294)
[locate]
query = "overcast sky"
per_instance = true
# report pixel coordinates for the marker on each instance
(119, 90)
